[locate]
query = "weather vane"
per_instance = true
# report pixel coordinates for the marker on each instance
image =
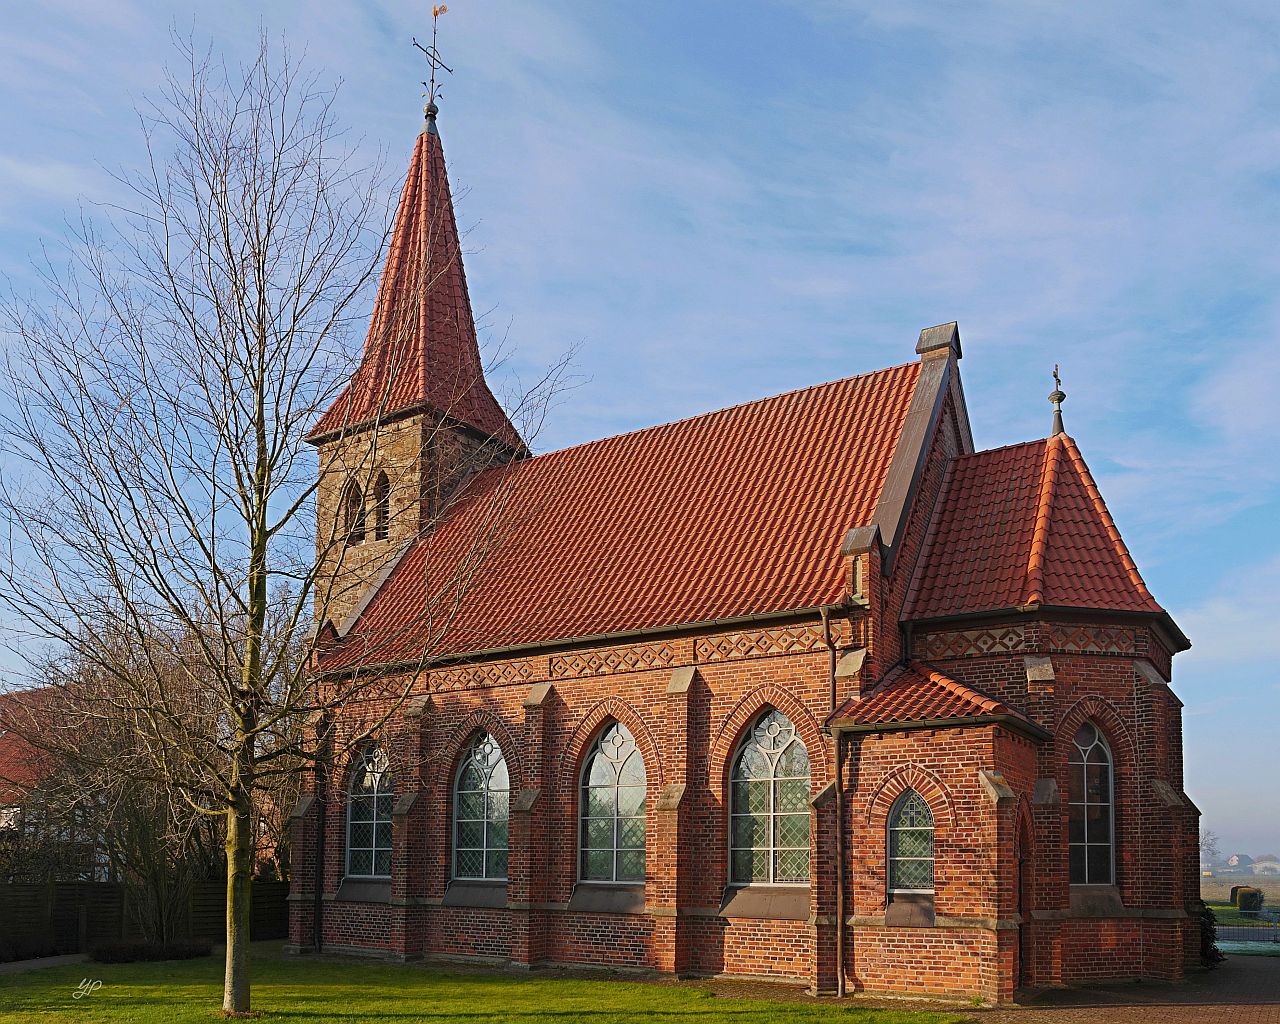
(433, 59)
(1056, 399)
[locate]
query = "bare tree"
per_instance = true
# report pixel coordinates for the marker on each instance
(1209, 851)
(163, 526)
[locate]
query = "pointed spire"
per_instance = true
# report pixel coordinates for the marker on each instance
(1056, 396)
(421, 352)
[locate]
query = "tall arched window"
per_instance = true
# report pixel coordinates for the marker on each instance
(769, 805)
(481, 804)
(381, 507)
(910, 844)
(369, 801)
(1091, 800)
(353, 513)
(613, 796)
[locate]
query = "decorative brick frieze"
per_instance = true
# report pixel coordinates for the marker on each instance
(635, 658)
(759, 643)
(1091, 639)
(489, 673)
(972, 643)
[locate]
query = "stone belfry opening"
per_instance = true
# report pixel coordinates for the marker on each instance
(417, 417)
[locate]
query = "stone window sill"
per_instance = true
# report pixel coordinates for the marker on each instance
(607, 898)
(766, 902)
(364, 890)
(1096, 901)
(464, 892)
(910, 910)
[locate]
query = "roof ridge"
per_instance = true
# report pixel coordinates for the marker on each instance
(1113, 533)
(725, 409)
(1034, 593)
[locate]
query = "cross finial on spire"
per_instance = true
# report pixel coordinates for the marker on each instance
(1056, 397)
(434, 62)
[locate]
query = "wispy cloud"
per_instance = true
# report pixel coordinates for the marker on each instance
(725, 200)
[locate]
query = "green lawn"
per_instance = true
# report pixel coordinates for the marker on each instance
(1225, 913)
(304, 990)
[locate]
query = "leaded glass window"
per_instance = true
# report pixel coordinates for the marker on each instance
(614, 786)
(769, 805)
(1091, 826)
(481, 804)
(910, 844)
(369, 801)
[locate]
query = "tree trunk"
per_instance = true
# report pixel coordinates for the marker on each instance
(235, 989)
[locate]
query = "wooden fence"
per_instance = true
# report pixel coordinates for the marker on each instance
(74, 917)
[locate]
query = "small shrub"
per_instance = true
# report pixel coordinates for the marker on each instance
(1210, 954)
(1249, 900)
(133, 952)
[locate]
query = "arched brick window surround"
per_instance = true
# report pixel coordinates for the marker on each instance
(734, 728)
(1109, 722)
(460, 739)
(876, 821)
(611, 709)
(355, 760)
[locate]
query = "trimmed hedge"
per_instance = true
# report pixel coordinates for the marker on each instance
(1249, 900)
(133, 952)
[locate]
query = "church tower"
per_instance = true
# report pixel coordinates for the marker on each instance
(417, 417)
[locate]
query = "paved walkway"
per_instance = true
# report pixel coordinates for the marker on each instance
(22, 966)
(1243, 990)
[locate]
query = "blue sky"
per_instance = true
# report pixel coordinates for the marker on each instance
(724, 200)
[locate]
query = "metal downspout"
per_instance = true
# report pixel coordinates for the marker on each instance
(839, 796)
(838, 737)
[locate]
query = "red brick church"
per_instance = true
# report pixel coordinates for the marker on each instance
(806, 688)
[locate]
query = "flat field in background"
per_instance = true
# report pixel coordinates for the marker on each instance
(1218, 888)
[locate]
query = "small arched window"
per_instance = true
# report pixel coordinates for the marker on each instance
(1091, 800)
(769, 805)
(353, 513)
(369, 801)
(614, 786)
(910, 844)
(381, 507)
(481, 805)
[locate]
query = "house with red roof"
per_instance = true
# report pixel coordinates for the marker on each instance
(22, 766)
(807, 688)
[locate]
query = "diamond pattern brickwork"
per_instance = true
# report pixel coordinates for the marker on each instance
(972, 643)
(615, 659)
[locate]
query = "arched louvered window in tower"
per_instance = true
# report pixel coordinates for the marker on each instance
(353, 516)
(481, 805)
(1091, 807)
(910, 843)
(614, 785)
(769, 805)
(381, 507)
(369, 801)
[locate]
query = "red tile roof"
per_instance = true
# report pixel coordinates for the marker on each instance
(731, 513)
(19, 761)
(1024, 525)
(916, 693)
(422, 353)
